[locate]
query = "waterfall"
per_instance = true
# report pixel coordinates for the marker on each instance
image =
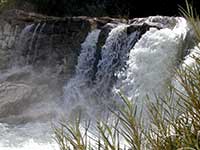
(137, 68)
(90, 90)
(33, 42)
(152, 60)
(76, 91)
(113, 57)
(22, 45)
(136, 58)
(35, 49)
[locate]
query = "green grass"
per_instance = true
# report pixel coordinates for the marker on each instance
(174, 118)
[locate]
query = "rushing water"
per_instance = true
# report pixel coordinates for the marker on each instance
(151, 62)
(136, 63)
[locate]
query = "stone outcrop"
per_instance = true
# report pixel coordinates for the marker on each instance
(9, 34)
(49, 39)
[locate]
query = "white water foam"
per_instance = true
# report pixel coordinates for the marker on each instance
(27, 137)
(151, 62)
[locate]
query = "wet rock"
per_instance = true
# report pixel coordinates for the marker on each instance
(28, 95)
(13, 98)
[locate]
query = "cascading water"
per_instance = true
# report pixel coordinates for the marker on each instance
(135, 60)
(152, 60)
(35, 48)
(90, 89)
(136, 70)
(22, 44)
(113, 57)
(76, 90)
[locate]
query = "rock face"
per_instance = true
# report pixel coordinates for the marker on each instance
(44, 40)
(9, 34)
(13, 96)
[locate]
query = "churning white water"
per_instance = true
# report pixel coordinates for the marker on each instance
(134, 63)
(152, 60)
(27, 137)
